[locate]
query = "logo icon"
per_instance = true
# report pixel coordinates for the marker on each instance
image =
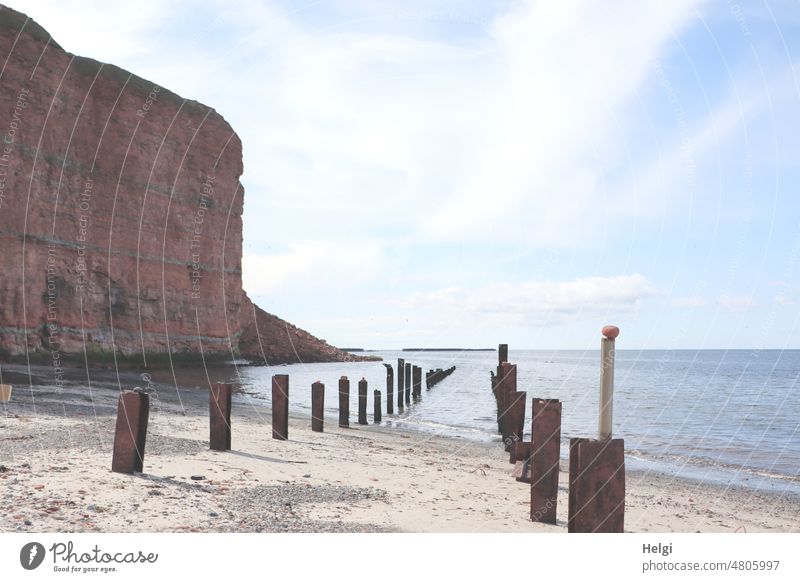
(31, 555)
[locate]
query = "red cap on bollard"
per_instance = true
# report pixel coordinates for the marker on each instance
(611, 331)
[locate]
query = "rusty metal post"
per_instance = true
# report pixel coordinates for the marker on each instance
(389, 389)
(407, 389)
(545, 458)
(521, 451)
(506, 386)
(130, 435)
(280, 407)
(344, 402)
(502, 354)
(401, 371)
(317, 406)
(596, 486)
(515, 424)
(219, 405)
(376, 407)
(362, 401)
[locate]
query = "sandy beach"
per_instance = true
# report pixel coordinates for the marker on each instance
(55, 459)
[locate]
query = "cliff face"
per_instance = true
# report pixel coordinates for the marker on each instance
(120, 211)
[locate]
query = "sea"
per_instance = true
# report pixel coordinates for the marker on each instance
(731, 417)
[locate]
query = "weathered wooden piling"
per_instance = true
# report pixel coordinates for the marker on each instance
(515, 424)
(344, 402)
(389, 389)
(130, 435)
(219, 408)
(317, 406)
(376, 406)
(362, 401)
(401, 372)
(597, 466)
(280, 407)
(407, 378)
(502, 354)
(545, 458)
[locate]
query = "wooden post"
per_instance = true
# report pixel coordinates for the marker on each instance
(317, 406)
(407, 389)
(362, 401)
(280, 407)
(389, 389)
(219, 404)
(376, 406)
(545, 458)
(502, 354)
(130, 435)
(344, 402)
(417, 378)
(401, 371)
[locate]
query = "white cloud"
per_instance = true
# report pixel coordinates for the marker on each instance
(784, 300)
(105, 31)
(552, 301)
(498, 130)
(691, 302)
(736, 303)
(311, 264)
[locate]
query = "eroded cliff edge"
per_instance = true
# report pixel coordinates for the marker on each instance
(121, 218)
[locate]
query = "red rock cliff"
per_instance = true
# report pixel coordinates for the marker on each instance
(120, 214)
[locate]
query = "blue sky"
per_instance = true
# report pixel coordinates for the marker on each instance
(446, 173)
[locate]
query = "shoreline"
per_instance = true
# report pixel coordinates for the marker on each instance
(56, 477)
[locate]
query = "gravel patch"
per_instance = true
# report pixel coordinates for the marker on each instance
(280, 508)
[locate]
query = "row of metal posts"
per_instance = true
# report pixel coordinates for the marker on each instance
(596, 501)
(134, 406)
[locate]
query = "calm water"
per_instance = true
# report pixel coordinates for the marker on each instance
(728, 416)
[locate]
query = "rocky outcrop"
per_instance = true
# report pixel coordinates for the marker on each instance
(267, 339)
(120, 214)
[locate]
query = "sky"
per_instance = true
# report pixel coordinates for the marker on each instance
(444, 173)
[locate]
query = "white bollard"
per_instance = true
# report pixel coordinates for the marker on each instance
(607, 348)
